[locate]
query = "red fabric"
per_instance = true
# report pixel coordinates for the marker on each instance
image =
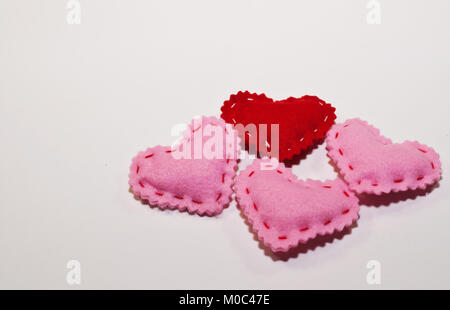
(302, 121)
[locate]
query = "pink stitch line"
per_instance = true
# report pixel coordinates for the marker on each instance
(241, 190)
(184, 203)
(424, 149)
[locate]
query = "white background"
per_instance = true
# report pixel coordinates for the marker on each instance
(77, 102)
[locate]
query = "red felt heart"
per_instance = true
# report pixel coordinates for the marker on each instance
(302, 121)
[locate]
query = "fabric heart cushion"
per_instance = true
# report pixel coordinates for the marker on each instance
(371, 163)
(285, 211)
(185, 177)
(302, 121)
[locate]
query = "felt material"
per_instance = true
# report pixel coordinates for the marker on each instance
(371, 163)
(201, 185)
(285, 211)
(302, 121)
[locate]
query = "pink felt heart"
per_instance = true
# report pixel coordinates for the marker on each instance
(285, 211)
(184, 177)
(371, 163)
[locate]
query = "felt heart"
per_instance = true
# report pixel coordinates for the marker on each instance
(186, 177)
(371, 163)
(285, 211)
(302, 122)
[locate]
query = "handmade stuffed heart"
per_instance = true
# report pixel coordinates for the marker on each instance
(371, 163)
(195, 175)
(285, 211)
(301, 122)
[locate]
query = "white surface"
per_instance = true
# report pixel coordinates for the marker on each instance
(77, 102)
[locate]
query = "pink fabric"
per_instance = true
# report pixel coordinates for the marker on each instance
(371, 163)
(202, 186)
(285, 211)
